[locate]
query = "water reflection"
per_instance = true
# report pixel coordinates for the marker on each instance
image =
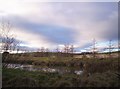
(61, 70)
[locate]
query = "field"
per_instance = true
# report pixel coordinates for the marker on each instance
(96, 72)
(18, 78)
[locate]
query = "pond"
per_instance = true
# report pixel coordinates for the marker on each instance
(61, 70)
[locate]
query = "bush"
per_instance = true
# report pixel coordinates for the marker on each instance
(22, 82)
(100, 66)
(62, 83)
(5, 56)
(106, 79)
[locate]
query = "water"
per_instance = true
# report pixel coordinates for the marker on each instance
(60, 70)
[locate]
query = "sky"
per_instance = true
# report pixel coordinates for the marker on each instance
(52, 24)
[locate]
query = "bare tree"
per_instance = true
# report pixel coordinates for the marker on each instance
(38, 50)
(67, 50)
(16, 46)
(57, 51)
(42, 51)
(94, 48)
(72, 49)
(47, 52)
(110, 48)
(8, 39)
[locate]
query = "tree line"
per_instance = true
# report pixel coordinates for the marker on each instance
(9, 43)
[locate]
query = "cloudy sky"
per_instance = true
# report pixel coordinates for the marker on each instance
(54, 24)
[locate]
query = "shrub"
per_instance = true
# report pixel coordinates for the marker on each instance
(22, 82)
(106, 79)
(63, 83)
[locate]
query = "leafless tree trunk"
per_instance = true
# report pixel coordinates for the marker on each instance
(42, 51)
(47, 52)
(94, 48)
(66, 50)
(8, 39)
(72, 49)
(58, 52)
(110, 48)
(8, 42)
